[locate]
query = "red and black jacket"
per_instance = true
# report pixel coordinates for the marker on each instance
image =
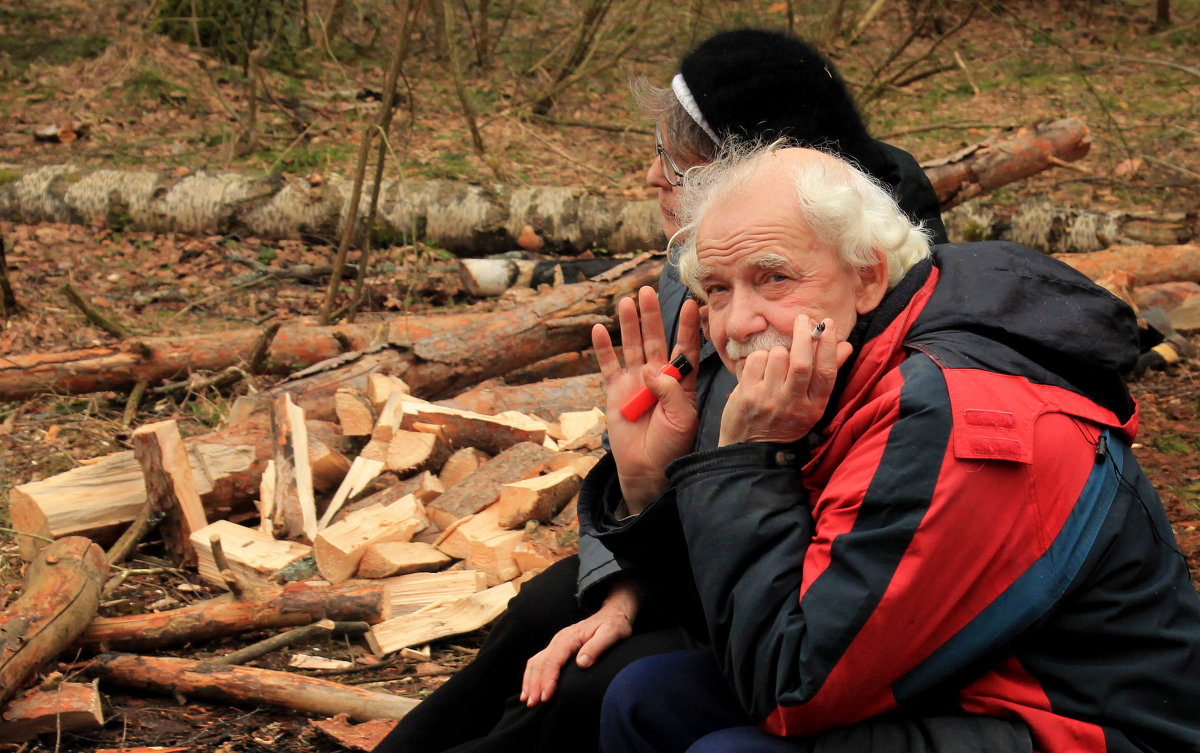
(967, 532)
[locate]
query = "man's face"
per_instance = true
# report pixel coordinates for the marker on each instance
(764, 267)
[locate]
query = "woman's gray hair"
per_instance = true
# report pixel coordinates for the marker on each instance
(842, 204)
(688, 141)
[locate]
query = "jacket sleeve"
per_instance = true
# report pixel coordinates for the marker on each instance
(821, 609)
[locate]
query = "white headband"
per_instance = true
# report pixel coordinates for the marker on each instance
(684, 95)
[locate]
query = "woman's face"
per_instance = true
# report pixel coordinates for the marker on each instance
(661, 175)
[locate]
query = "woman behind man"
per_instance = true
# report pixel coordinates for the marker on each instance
(539, 679)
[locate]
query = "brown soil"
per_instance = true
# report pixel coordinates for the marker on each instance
(155, 103)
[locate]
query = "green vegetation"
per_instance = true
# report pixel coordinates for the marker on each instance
(1172, 444)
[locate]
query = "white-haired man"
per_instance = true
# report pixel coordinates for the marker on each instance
(922, 528)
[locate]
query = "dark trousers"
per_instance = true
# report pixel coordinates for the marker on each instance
(478, 709)
(680, 703)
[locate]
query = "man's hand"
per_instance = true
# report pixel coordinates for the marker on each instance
(586, 640)
(781, 394)
(643, 448)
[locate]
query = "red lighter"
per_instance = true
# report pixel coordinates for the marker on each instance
(643, 400)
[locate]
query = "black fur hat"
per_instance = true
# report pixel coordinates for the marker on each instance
(751, 83)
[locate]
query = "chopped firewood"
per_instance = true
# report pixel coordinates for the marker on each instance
(365, 736)
(424, 486)
(581, 464)
(411, 593)
(581, 429)
(328, 465)
(170, 487)
(308, 661)
(417, 654)
(339, 547)
(59, 599)
(492, 434)
(461, 464)
(380, 387)
(542, 547)
(400, 558)
(411, 451)
(266, 500)
(485, 545)
(481, 488)
(248, 685)
(355, 412)
(441, 621)
(362, 471)
(70, 707)
(538, 498)
(390, 415)
(290, 605)
(253, 556)
(294, 512)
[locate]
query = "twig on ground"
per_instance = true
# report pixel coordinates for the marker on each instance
(93, 315)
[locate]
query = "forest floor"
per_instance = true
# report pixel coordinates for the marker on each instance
(135, 99)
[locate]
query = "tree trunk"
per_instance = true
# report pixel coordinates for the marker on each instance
(284, 606)
(61, 594)
(249, 685)
(469, 220)
(1148, 264)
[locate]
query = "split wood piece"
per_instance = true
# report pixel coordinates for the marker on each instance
(580, 464)
(328, 465)
(266, 500)
(412, 593)
(460, 465)
(410, 452)
(59, 599)
(362, 471)
(170, 487)
(339, 547)
(390, 415)
(294, 512)
(492, 434)
(382, 386)
(1005, 158)
(480, 489)
(365, 737)
(485, 545)
(582, 430)
(308, 661)
(543, 546)
(400, 558)
(320, 628)
(248, 685)
(544, 398)
(538, 498)
(253, 556)
(441, 621)
(284, 606)
(424, 486)
(355, 412)
(99, 498)
(1148, 264)
(70, 707)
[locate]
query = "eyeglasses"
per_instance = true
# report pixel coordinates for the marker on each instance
(671, 171)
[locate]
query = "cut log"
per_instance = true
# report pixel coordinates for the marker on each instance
(328, 466)
(485, 546)
(294, 512)
(538, 498)
(491, 434)
(410, 452)
(380, 387)
(355, 412)
(546, 398)
(253, 556)
(71, 707)
(290, 605)
(1165, 295)
(59, 599)
(101, 497)
(248, 685)
(412, 593)
(400, 558)
(460, 465)
(1005, 158)
(442, 621)
(339, 547)
(1147, 264)
(482, 488)
(170, 487)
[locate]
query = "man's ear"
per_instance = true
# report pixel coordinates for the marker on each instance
(872, 287)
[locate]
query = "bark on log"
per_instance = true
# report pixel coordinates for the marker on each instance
(1006, 158)
(1148, 264)
(546, 399)
(72, 706)
(248, 685)
(466, 219)
(61, 594)
(282, 606)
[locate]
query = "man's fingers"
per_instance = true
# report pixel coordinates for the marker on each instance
(654, 341)
(606, 356)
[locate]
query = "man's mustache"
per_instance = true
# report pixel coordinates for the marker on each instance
(736, 351)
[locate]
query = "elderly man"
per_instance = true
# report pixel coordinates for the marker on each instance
(921, 527)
